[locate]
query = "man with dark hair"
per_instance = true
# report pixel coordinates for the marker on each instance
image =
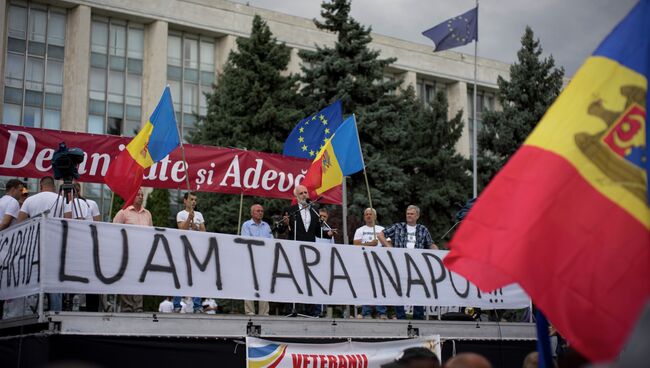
(327, 233)
(82, 208)
(46, 199)
(36, 205)
(419, 357)
(9, 203)
(188, 219)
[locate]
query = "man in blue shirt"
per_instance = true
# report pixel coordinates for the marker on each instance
(257, 228)
(410, 235)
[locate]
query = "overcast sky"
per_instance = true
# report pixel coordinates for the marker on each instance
(568, 29)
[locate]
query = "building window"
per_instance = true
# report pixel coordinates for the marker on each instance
(34, 66)
(190, 74)
(427, 90)
(484, 102)
(115, 81)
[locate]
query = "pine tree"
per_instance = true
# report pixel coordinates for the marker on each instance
(158, 204)
(396, 130)
(533, 86)
(254, 106)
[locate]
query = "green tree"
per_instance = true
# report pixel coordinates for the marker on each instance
(158, 204)
(534, 84)
(403, 141)
(254, 106)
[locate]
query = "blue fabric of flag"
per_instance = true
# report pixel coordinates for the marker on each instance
(309, 135)
(347, 148)
(164, 136)
(456, 31)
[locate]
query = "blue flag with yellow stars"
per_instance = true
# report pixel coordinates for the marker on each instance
(456, 31)
(311, 133)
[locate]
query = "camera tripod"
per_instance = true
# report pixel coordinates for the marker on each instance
(68, 193)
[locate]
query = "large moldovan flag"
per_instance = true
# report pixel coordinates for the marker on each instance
(568, 218)
(157, 139)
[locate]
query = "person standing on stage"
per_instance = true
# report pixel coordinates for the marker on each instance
(409, 235)
(366, 236)
(301, 220)
(82, 208)
(134, 214)
(258, 228)
(9, 203)
(189, 219)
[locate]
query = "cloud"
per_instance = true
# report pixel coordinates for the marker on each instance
(569, 30)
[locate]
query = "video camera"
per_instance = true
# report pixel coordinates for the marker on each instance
(65, 162)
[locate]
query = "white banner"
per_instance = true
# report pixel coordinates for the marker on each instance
(265, 353)
(104, 258)
(19, 260)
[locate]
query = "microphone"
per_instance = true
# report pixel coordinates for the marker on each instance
(317, 199)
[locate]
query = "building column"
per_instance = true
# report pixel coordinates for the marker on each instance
(154, 74)
(457, 99)
(222, 49)
(74, 112)
(3, 49)
(410, 79)
(294, 64)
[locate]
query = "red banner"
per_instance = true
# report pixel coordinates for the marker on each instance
(26, 152)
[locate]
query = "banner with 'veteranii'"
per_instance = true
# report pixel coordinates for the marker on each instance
(26, 152)
(75, 256)
(278, 354)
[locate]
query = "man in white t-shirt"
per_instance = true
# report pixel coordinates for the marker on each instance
(188, 219)
(9, 205)
(82, 208)
(210, 306)
(166, 306)
(366, 236)
(46, 199)
(35, 205)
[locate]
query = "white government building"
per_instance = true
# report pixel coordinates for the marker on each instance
(100, 66)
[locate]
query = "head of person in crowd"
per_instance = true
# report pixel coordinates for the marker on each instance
(301, 193)
(468, 360)
(138, 201)
(419, 357)
(77, 189)
(14, 188)
(531, 360)
(370, 216)
(47, 184)
(24, 193)
(412, 215)
(189, 200)
(324, 214)
(257, 213)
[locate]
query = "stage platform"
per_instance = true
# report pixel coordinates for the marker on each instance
(154, 339)
(239, 326)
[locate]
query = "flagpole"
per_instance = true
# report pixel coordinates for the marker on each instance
(180, 139)
(346, 239)
(241, 207)
(474, 123)
(365, 176)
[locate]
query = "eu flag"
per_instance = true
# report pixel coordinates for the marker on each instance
(309, 136)
(454, 32)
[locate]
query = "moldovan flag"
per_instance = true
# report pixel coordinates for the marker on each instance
(567, 218)
(340, 156)
(157, 139)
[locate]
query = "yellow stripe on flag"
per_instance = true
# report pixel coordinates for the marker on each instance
(332, 175)
(598, 118)
(138, 147)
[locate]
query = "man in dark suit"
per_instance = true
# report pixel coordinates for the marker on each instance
(301, 220)
(303, 223)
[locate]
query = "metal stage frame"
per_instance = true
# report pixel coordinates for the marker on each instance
(240, 326)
